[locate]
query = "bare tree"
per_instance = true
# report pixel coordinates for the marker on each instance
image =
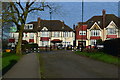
(19, 12)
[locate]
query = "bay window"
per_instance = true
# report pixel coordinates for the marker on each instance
(111, 31)
(44, 34)
(95, 32)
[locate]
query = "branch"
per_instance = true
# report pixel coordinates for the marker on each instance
(35, 9)
(20, 6)
(32, 3)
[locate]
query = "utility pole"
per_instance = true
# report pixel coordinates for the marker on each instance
(82, 24)
(50, 12)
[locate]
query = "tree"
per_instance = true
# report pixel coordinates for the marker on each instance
(19, 12)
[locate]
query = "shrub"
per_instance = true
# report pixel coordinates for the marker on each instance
(112, 47)
(29, 47)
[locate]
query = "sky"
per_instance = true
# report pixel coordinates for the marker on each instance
(71, 12)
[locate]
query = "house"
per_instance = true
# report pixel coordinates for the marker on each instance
(104, 27)
(45, 33)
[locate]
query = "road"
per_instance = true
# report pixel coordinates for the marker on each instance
(66, 64)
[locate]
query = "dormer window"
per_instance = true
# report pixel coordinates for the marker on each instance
(31, 26)
(28, 26)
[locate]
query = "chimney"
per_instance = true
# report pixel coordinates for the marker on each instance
(104, 15)
(73, 26)
(62, 24)
(39, 21)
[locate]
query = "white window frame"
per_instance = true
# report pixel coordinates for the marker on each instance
(31, 35)
(44, 34)
(111, 31)
(82, 32)
(28, 26)
(95, 32)
(56, 34)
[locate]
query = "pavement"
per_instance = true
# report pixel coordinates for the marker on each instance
(66, 64)
(27, 67)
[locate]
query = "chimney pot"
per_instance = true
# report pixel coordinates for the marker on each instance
(104, 12)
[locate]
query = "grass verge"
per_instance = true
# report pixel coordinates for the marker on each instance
(8, 60)
(42, 70)
(101, 56)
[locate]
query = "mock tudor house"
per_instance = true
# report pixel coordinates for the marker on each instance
(45, 33)
(105, 26)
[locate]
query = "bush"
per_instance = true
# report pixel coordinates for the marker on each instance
(90, 50)
(112, 47)
(29, 47)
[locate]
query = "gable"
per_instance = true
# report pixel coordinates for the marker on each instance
(44, 29)
(95, 26)
(112, 25)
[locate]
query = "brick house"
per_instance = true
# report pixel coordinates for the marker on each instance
(103, 27)
(45, 32)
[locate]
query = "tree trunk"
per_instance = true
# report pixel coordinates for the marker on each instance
(19, 47)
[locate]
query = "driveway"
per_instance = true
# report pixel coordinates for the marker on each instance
(66, 64)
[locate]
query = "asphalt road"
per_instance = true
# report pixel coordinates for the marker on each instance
(66, 64)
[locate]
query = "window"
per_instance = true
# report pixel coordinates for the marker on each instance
(66, 34)
(44, 43)
(31, 26)
(45, 34)
(31, 35)
(111, 31)
(95, 32)
(93, 42)
(82, 32)
(56, 34)
(28, 26)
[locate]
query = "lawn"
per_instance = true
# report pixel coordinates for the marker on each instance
(8, 60)
(101, 56)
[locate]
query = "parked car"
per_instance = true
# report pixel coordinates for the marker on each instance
(100, 46)
(60, 46)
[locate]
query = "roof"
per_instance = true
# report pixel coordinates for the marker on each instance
(54, 25)
(51, 25)
(99, 20)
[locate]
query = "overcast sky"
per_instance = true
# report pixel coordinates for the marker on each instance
(71, 12)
